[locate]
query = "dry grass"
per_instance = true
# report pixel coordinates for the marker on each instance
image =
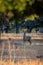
(30, 62)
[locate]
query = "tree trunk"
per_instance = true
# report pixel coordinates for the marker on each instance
(17, 27)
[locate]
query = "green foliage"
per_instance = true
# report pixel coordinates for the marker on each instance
(16, 9)
(19, 5)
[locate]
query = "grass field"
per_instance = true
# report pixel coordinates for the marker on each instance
(11, 49)
(30, 62)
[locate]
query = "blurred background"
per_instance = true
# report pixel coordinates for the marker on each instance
(17, 16)
(21, 16)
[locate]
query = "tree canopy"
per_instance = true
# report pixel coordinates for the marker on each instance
(16, 9)
(22, 7)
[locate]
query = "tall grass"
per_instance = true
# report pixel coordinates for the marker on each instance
(30, 62)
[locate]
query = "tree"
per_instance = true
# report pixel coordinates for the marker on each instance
(21, 8)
